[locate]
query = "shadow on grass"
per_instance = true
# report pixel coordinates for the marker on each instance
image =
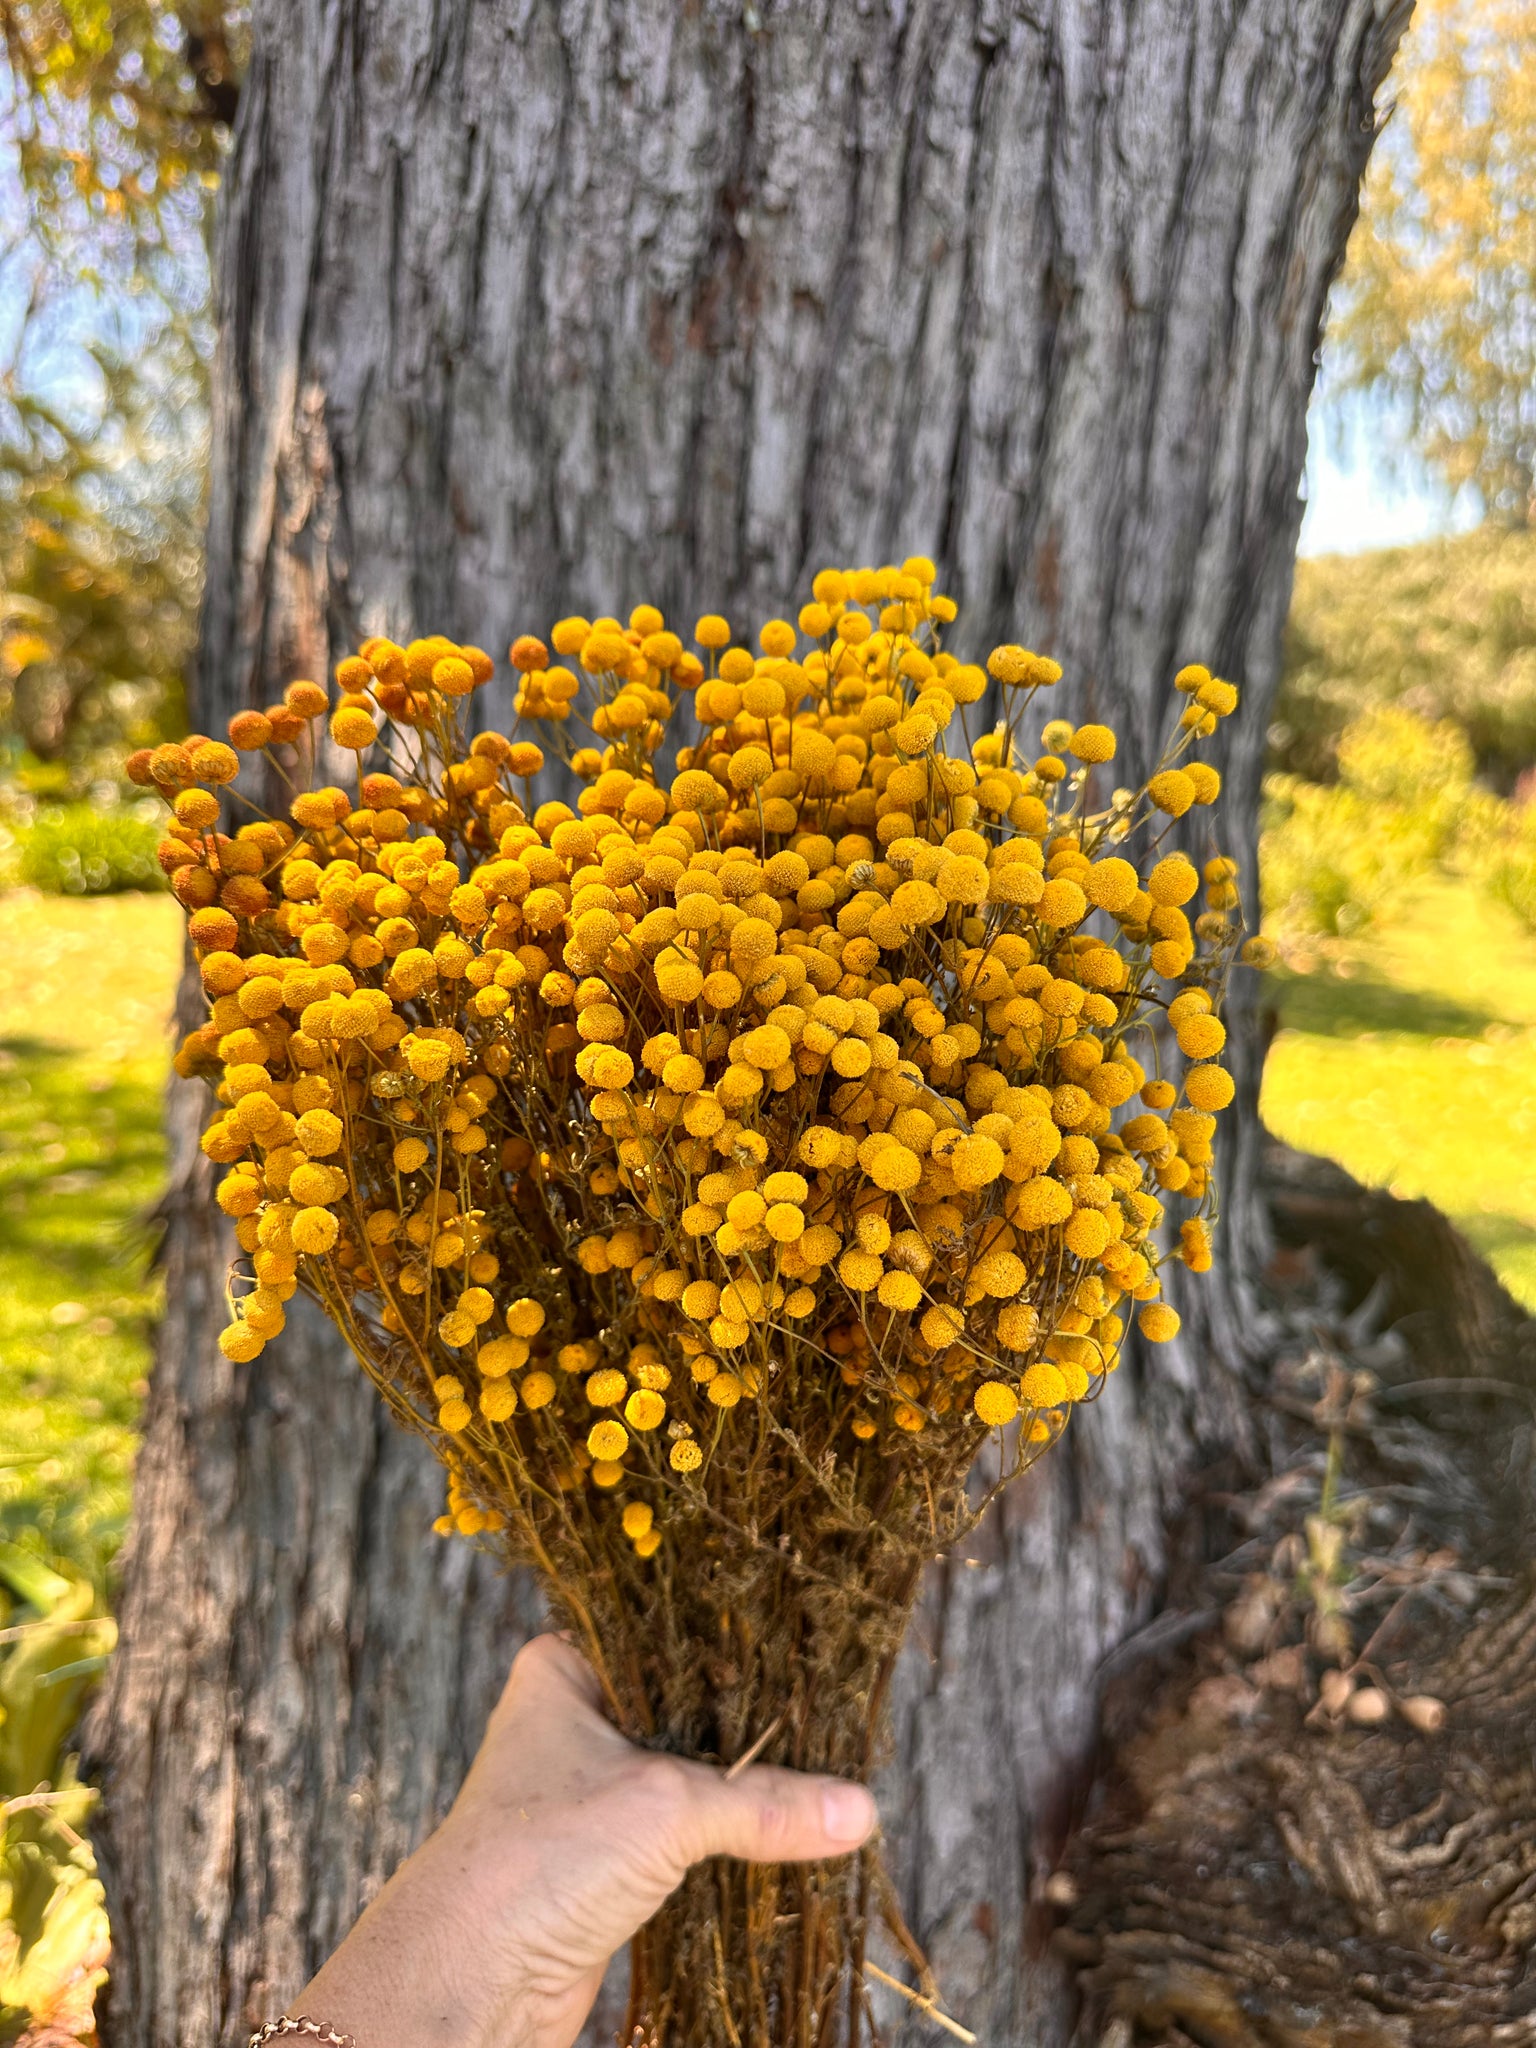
(1331, 1007)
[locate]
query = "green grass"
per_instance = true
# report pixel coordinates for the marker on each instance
(80, 1164)
(1409, 1055)
(84, 991)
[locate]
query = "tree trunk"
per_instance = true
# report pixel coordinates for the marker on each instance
(528, 308)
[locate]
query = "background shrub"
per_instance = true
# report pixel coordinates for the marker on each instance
(1446, 629)
(80, 850)
(1404, 802)
(1511, 864)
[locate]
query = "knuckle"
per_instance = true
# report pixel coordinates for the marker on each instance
(774, 1825)
(668, 1782)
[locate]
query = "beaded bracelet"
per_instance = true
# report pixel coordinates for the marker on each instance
(318, 2028)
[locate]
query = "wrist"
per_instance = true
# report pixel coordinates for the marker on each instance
(375, 2011)
(408, 1972)
(379, 2011)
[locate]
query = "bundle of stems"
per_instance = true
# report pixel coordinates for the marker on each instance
(711, 1168)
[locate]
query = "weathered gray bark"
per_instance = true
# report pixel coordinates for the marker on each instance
(529, 307)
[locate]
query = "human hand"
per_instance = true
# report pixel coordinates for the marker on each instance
(564, 1840)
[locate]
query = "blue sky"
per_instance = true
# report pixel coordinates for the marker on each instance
(1359, 497)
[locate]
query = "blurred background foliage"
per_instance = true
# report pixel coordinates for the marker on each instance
(1400, 807)
(1404, 737)
(1436, 312)
(54, 1938)
(82, 1160)
(99, 564)
(1401, 796)
(86, 849)
(114, 120)
(1447, 628)
(1403, 744)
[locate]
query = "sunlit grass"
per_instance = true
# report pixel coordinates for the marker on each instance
(85, 990)
(1409, 1055)
(85, 993)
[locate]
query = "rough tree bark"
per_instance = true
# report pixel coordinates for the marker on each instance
(528, 307)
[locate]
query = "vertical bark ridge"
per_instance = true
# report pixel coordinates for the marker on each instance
(530, 307)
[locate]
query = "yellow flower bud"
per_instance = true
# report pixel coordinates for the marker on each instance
(996, 1405)
(1158, 1323)
(608, 1441)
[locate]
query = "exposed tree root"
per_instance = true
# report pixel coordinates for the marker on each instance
(1322, 1833)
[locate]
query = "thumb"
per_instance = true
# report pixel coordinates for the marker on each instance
(769, 1815)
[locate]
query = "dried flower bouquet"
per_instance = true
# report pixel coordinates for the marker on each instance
(710, 1169)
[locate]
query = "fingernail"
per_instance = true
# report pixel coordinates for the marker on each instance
(847, 1812)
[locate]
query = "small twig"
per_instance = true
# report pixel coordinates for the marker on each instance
(751, 1756)
(940, 2019)
(1306, 1411)
(25, 1802)
(63, 1628)
(1385, 1625)
(44, 1801)
(725, 2003)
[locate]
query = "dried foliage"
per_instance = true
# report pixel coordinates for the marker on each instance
(708, 1169)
